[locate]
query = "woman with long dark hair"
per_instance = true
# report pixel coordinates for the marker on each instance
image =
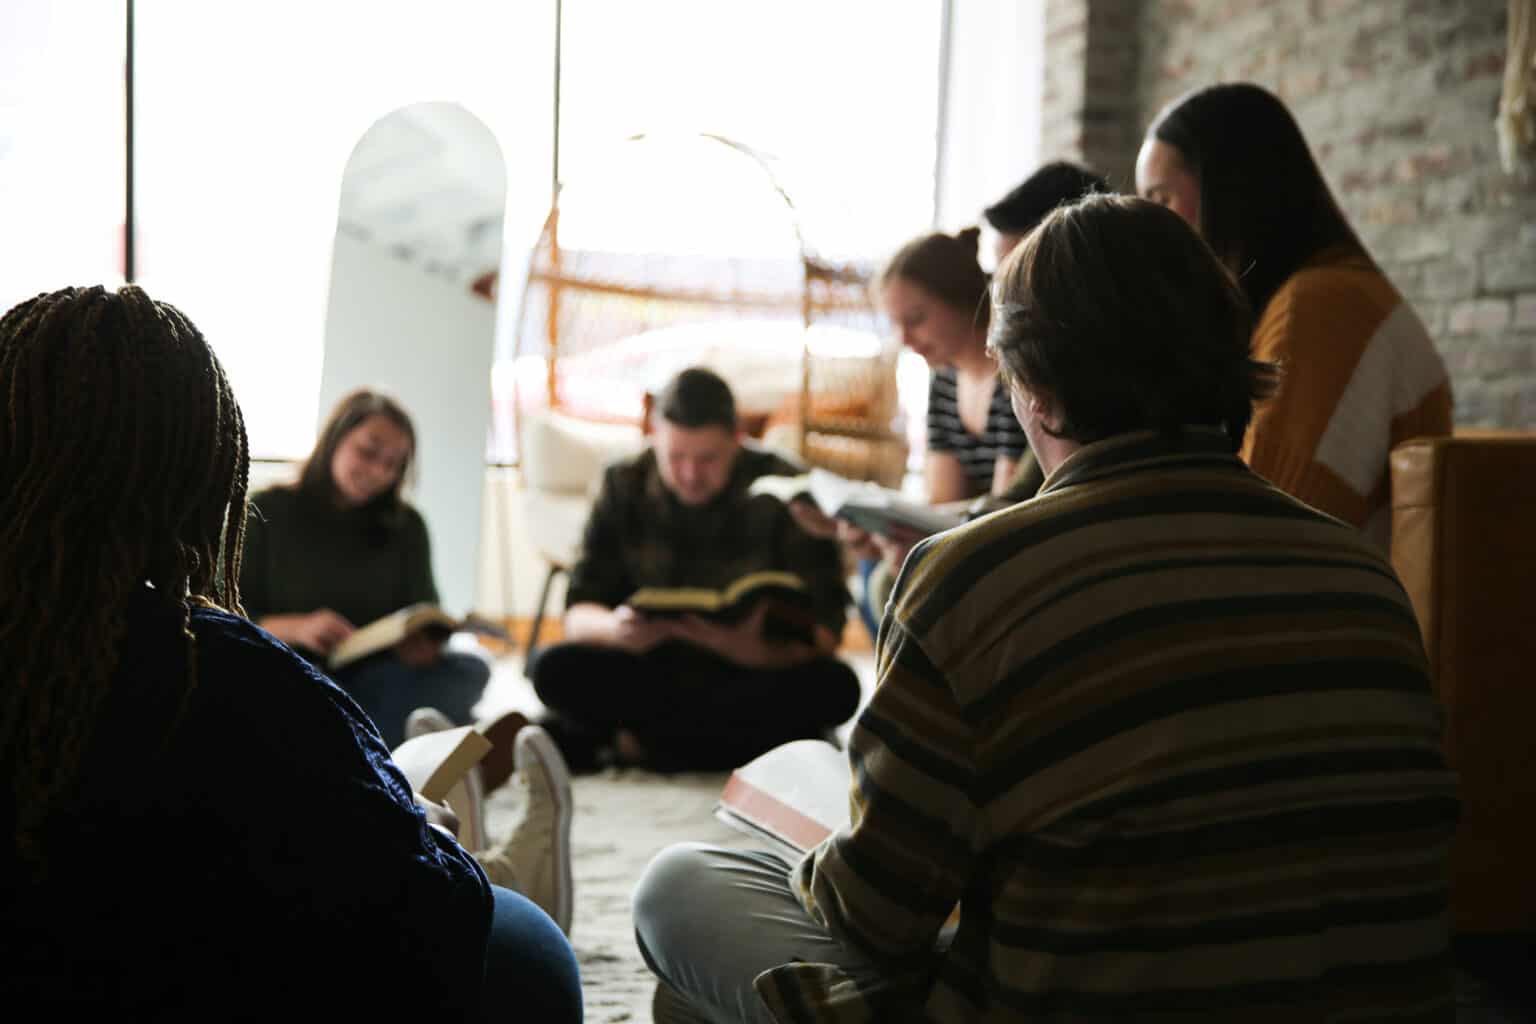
(341, 548)
(1360, 373)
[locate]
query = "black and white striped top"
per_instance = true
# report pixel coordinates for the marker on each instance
(978, 455)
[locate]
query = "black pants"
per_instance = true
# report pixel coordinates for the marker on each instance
(690, 709)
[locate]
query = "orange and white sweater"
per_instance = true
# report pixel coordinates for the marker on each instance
(1360, 375)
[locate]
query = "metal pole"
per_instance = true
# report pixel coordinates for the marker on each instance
(941, 126)
(130, 267)
(554, 170)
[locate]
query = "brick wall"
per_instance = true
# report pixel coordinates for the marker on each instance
(1091, 105)
(1397, 99)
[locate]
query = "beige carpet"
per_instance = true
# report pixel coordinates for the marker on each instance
(622, 819)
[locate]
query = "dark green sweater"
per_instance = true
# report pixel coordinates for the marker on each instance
(302, 554)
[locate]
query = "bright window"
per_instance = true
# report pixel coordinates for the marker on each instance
(246, 118)
(840, 101)
(62, 145)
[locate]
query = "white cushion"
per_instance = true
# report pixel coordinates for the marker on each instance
(554, 523)
(564, 455)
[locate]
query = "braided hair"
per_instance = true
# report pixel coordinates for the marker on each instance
(123, 463)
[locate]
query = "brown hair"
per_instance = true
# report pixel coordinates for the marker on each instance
(1120, 318)
(947, 267)
(386, 511)
(123, 463)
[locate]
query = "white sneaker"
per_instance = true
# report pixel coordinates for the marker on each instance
(535, 858)
(426, 720)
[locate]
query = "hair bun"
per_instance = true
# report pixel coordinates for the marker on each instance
(970, 238)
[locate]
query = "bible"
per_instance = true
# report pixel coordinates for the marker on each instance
(866, 505)
(437, 765)
(789, 614)
(433, 763)
(794, 797)
(384, 633)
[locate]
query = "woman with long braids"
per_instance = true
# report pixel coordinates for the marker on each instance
(197, 823)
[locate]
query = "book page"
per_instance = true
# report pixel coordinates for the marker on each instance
(795, 794)
(433, 763)
(385, 632)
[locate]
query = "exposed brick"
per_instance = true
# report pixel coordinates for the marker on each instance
(1433, 162)
(1448, 279)
(1402, 210)
(1478, 315)
(1509, 270)
(1503, 359)
(1525, 313)
(1488, 64)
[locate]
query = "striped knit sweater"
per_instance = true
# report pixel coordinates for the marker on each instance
(1167, 736)
(1360, 376)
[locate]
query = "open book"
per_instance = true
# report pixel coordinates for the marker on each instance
(789, 615)
(794, 796)
(382, 634)
(437, 765)
(866, 505)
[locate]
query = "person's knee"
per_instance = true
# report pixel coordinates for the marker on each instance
(529, 960)
(561, 668)
(469, 666)
(669, 882)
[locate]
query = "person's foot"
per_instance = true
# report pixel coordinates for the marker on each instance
(425, 720)
(628, 749)
(535, 858)
(496, 766)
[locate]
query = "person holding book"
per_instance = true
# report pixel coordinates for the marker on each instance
(342, 548)
(934, 292)
(1164, 734)
(641, 683)
(1361, 372)
(198, 823)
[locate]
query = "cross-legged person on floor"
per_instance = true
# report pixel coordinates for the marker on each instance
(1163, 734)
(342, 547)
(691, 693)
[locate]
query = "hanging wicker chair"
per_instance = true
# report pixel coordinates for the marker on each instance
(684, 251)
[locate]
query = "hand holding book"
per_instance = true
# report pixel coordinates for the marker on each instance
(749, 642)
(868, 506)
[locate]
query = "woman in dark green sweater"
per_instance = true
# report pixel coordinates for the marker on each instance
(341, 548)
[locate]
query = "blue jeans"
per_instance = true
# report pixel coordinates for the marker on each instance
(530, 969)
(387, 689)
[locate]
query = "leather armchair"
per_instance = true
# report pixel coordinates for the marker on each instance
(1464, 545)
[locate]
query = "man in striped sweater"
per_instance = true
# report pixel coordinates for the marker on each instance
(1164, 733)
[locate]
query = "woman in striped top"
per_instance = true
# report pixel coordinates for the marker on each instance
(1361, 374)
(935, 294)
